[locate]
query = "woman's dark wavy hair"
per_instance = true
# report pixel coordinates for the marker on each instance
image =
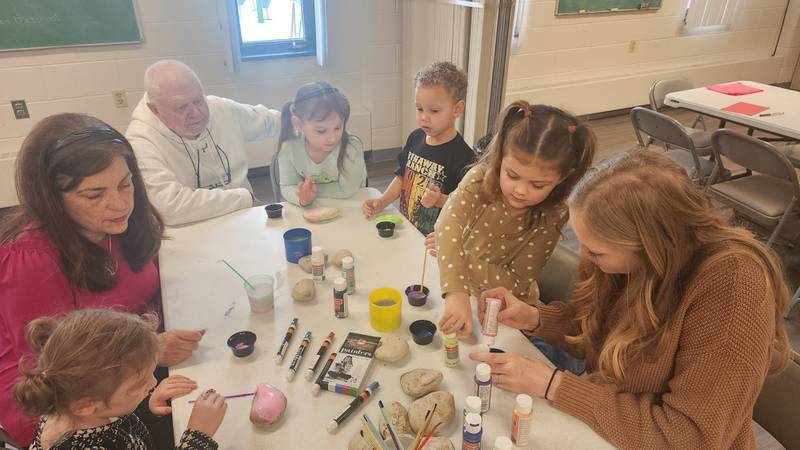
(59, 152)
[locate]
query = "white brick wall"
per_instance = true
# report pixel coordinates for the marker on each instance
(364, 50)
(582, 63)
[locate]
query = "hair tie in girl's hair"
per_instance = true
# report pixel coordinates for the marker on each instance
(571, 129)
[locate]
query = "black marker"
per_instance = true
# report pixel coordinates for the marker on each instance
(298, 356)
(286, 339)
(353, 406)
(313, 368)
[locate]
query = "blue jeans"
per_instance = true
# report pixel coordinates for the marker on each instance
(561, 359)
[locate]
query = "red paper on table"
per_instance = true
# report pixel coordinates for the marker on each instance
(734, 89)
(748, 109)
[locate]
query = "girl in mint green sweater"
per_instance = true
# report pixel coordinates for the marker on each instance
(316, 155)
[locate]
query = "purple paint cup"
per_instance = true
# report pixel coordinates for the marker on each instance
(415, 296)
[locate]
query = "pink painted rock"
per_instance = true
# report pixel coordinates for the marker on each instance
(268, 405)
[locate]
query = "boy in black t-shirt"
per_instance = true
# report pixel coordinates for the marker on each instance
(435, 156)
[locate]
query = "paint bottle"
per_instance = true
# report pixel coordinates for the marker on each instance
(503, 443)
(340, 298)
(490, 320)
(451, 358)
(349, 274)
(317, 264)
(483, 385)
(472, 434)
(523, 412)
(471, 405)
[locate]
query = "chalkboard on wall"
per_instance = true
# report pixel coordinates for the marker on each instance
(29, 24)
(567, 7)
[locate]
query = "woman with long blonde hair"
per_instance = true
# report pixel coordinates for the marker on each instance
(677, 314)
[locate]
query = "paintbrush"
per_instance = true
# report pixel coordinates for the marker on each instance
(241, 394)
(428, 417)
(424, 263)
(376, 436)
(388, 421)
(428, 437)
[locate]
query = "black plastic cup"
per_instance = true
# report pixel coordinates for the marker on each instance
(242, 343)
(274, 211)
(422, 331)
(385, 229)
(415, 297)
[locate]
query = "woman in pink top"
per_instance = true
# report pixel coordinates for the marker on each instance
(76, 241)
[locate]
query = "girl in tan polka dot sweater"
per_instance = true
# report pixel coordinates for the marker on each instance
(501, 224)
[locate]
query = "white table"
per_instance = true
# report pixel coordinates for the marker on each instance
(710, 103)
(197, 290)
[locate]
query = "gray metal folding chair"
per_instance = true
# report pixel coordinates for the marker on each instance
(769, 195)
(660, 89)
(6, 441)
(792, 151)
(795, 301)
(274, 178)
(558, 277)
(671, 134)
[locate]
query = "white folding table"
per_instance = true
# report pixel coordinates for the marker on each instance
(200, 292)
(778, 100)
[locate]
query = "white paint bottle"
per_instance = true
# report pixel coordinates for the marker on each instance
(349, 273)
(317, 264)
(483, 385)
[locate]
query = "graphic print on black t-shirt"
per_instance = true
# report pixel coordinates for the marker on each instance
(420, 173)
(422, 166)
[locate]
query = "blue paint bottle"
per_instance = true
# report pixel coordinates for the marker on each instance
(473, 432)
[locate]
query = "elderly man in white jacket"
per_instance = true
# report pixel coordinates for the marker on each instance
(190, 146)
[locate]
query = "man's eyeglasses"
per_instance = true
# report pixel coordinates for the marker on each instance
(223, 160)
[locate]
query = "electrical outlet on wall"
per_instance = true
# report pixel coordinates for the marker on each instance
(631, 46)
(20, 109)
(120, 98)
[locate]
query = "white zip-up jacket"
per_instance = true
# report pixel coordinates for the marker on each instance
(196, 179)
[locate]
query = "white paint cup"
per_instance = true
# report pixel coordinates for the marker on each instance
(262, 297)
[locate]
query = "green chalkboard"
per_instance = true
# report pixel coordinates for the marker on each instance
(26, 24)
(566, 7)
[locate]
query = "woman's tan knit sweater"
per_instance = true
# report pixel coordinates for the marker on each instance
(699, 391)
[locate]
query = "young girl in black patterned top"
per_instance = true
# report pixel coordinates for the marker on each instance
(93, 369)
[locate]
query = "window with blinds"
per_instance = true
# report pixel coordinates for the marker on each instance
(709, 16)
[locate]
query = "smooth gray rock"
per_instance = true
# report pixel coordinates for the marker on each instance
(445, 410)
(419, 382)
(392, 348)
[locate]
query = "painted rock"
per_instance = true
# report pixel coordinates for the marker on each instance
(392, 348)
(322, 214)
(445, 409)
(268, 405)
(305, 262)
(399, 417)
(304, 290)
(419, 382)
